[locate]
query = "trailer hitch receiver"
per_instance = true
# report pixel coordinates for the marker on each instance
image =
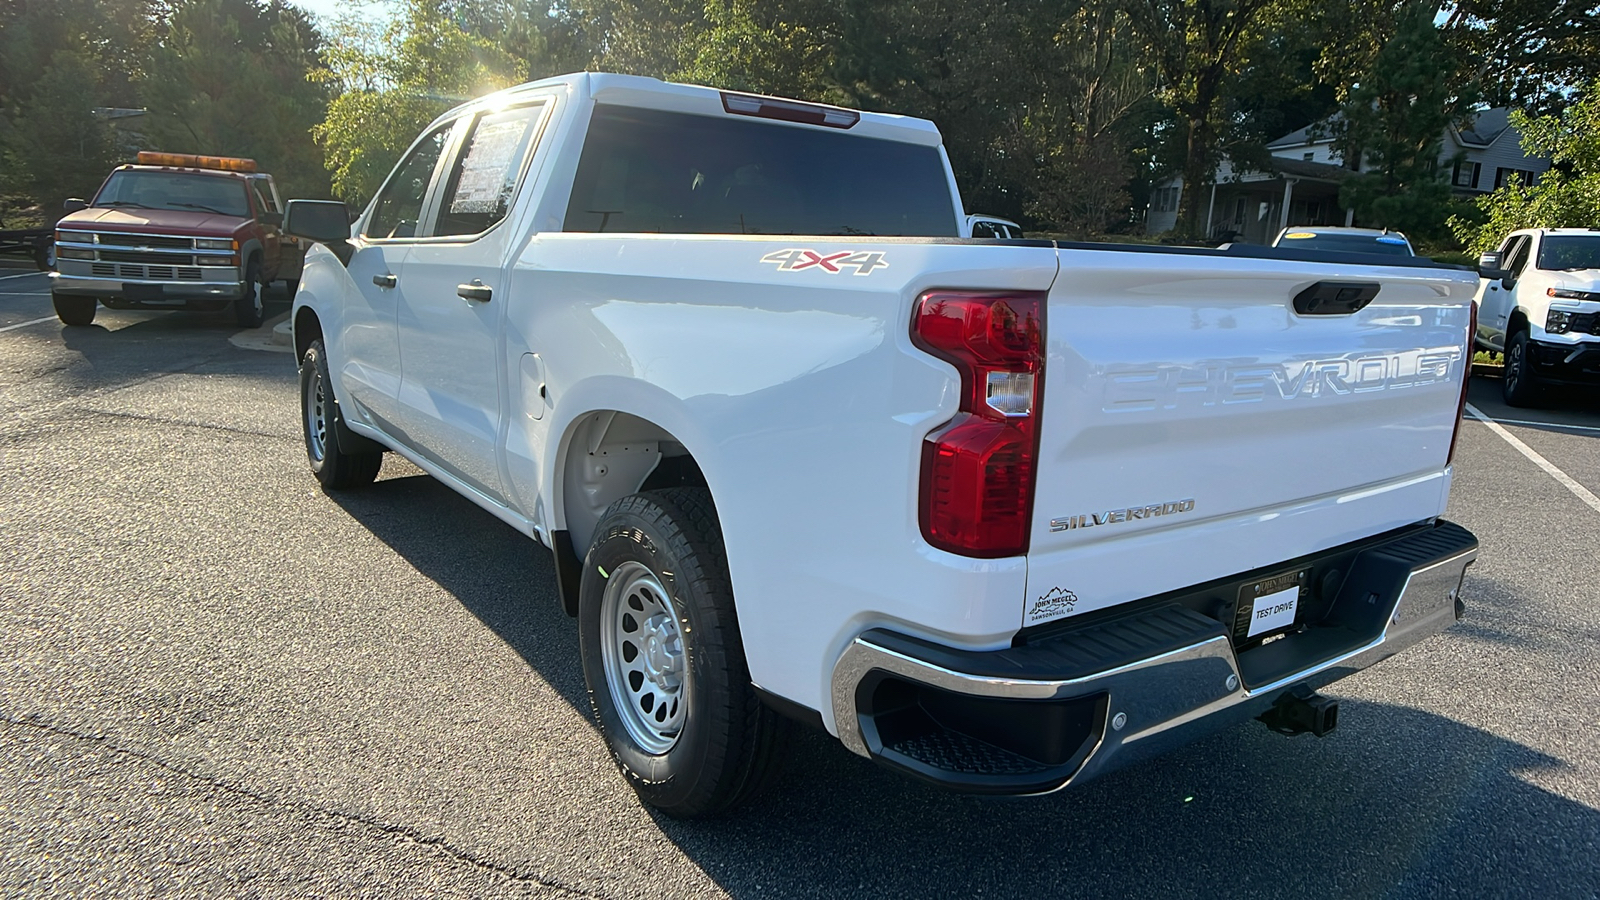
(1300, 710)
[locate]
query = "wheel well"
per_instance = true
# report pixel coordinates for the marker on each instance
(307, 328)
(610, 455)
(1519, 321)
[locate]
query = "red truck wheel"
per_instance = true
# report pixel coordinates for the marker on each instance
(74, 310)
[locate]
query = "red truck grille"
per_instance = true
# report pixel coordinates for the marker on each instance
(144, 240)
(135, 256)
(162, 273)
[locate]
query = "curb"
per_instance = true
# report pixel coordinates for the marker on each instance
(267, 337)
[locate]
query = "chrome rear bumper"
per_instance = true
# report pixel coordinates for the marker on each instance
(1120, 688)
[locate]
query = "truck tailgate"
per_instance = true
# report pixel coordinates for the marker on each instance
(1196, 426)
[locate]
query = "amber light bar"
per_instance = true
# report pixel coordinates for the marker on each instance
(192, 161)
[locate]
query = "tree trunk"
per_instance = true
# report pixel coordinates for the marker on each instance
(1196, 169)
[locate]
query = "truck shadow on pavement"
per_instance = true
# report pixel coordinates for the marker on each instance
(1397, 802)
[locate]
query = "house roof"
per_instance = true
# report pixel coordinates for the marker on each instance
(1300, 137)
(1486, 126)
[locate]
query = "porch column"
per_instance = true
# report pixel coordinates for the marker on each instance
(1210, 208)
(1349, 216)
(1288, 194)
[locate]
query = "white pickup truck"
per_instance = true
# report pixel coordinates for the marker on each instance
(1539, 304)
(1000, 515)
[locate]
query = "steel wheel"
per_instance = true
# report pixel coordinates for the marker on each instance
(642, 653)
(316, 411)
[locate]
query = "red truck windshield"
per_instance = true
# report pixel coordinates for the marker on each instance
(175, 190)
(654, 171)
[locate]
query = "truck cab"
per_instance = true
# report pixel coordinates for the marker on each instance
(1539, 304)
(175, 231)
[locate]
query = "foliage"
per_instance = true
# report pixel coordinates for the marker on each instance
(58, 60)
(54, 147)
(1056, 113)
(1198, 47)
(1566, 196)
(1529, 53)
(228, 78)
(395, 79)
(1395, 122)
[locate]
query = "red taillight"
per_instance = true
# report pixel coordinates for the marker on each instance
(1466, 379)
(978, 468)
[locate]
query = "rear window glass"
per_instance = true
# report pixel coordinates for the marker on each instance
(1347, 243)
(666, 172)
(1569, 252)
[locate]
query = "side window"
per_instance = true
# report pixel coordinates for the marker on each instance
(483, 179)
(984, 230)
(1518, 258)
(264, 201)
(399, 204)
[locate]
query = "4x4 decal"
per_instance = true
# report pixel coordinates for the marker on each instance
(795, 260)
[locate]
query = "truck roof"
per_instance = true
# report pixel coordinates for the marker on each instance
(1584, 231)
(190, 170)
(653, 93)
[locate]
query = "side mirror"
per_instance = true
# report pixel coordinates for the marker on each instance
(268, 217)
(1491, 265)
(323, 221)
(75, 204)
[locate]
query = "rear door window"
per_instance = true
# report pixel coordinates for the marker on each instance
(483, 179)
(668, 172)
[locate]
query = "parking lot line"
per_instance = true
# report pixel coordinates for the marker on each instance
(23, 275)
(27, 323)
(1534, 424)
(1578, 490)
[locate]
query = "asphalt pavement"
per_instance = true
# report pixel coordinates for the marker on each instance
(215, 680)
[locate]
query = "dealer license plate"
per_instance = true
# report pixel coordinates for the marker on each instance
(1270, 605)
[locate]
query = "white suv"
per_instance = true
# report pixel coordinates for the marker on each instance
(1539, 304)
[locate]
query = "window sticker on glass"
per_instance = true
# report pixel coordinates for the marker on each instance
(484, 183)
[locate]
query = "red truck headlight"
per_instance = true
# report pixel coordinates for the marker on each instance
(978, 468)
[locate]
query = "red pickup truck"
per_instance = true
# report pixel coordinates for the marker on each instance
(175, 231)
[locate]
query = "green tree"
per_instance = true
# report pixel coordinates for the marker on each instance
(55, 148)
(1198, 48)
(228, 77)
(1529, 53)
(1394, 120)
(58, 60)
(391, 81)
(1036, 99)
(1566, 196)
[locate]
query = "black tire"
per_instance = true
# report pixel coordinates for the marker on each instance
(44, 254)
(1519, 385)
(74, 310)
(250, 310)
(336, 468)
(727, 746)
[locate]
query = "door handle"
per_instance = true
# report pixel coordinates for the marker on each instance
(477, 290)
(384, 281)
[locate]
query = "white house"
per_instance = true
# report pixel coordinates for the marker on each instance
(1307, 169)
